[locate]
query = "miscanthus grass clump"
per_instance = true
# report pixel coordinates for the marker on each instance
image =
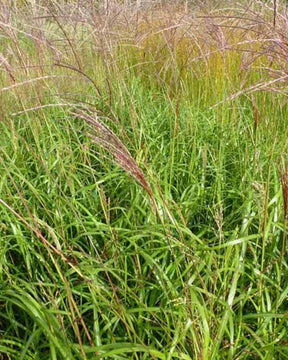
(143, 180)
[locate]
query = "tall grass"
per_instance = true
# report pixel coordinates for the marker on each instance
(143, 181)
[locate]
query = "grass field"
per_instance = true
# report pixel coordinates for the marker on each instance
(143, 180)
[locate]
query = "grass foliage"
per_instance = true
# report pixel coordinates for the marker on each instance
(143, 180)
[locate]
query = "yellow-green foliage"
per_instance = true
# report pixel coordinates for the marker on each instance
(180, 52)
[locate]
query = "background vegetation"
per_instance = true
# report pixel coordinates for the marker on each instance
(143, 180)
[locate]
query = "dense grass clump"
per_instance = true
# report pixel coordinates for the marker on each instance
(143, 180)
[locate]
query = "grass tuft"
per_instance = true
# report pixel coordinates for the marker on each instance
(143, 180)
